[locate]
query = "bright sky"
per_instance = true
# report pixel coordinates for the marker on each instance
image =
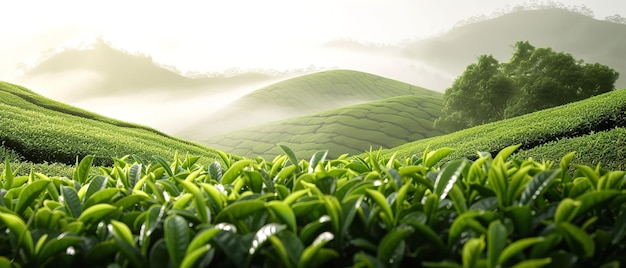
(216, 35)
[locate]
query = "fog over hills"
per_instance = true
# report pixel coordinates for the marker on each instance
(103, 78)
(582, 36)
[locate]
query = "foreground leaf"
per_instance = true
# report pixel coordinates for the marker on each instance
(176, 238)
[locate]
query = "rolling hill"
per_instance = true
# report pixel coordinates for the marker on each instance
(299, 96)
(594, 127)
(353, 129)
(40, 130)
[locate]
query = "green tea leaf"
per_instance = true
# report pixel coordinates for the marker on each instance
(55, 246)
(81, 173)
(102, 196)
(537, 186)
(284, 213)
(619, 230)
(163, 163)
(316, 159)
(192, 257)
(458, 199)
(566, 210)
(97, 184)
(431, 158)
(234, 247)
(71, 200)
(428, 234)
(522, 219)
(380, 200)
(496, 241)
(516, 247)
(239, 210)
(389, 244)
(291, 155)
(96, 213)
(199, 203)
(263, 234)
(595, 199)
(20, 230)
(309, 253)
(29, 194)
(579, 241)
(533, 263)
(505, 153)
(288, 248)
(121, 232)
(216, 196)
(447, 177)
(201, 239)
(176, 238)
(134, 175)
(589, 173)
(215, 171)
(7, 174)
(233, 172)
(472, 250)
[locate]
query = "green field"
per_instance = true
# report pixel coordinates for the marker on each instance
(300, 96)
(594, 127)
(354, 129)
(39, 130)
(419, 204)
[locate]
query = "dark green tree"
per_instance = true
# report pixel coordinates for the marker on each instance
(532, 80)
(476, 96)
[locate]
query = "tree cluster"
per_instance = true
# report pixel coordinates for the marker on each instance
(533, 79)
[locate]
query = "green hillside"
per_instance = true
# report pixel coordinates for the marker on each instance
(299, 96)
(594, 127)
(562, 30)
(354, 129)
(39, 130)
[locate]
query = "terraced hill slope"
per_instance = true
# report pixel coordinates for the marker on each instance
(301, 96)
(37, 129)
(353, 129)
(595, 128)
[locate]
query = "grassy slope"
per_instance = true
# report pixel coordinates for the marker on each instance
(594, 127)
(353, 129)
(36, 129)
(583, 37)
(299, 96)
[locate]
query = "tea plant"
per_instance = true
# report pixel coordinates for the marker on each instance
(494, 211)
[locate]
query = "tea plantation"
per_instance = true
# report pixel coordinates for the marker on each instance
(494, 211)
(594, 127)
(354, 129)
(36, 129)
(301, 96)
(473, 198)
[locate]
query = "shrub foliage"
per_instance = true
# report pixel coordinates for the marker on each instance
(364, 212)
(532, 80)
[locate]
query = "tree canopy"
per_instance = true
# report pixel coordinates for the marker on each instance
(532, 80)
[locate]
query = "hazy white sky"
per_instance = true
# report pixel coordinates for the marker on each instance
(217, 35)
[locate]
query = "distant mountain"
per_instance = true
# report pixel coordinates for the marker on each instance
(582, 36)
(108, 71)
(353, 129)
(299, 96)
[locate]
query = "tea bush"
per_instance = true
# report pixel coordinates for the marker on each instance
(375, 211)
